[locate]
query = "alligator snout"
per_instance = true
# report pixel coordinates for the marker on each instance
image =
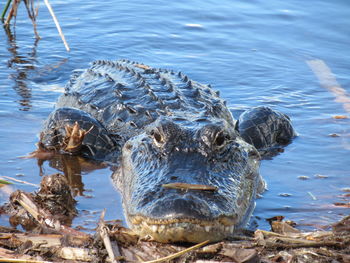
(183, 217)
(181, 207)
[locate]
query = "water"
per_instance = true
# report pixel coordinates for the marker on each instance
(254, 52)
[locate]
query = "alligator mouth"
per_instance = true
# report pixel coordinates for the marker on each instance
(183, 229)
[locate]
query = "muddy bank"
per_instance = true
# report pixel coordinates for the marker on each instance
(47, 214)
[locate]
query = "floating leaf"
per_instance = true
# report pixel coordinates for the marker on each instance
(340, 117)
(321, 176)
(285, 194)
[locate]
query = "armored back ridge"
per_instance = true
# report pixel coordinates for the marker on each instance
(128, 96)
(187, 170)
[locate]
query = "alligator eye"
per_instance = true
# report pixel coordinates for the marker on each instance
(220, 139)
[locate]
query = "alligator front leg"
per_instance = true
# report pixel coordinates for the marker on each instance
(265, 128)
(75, 132)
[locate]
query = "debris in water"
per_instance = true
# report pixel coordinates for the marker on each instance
(312, 196)
(285, 194)
(346, 189)
(50, 206)
(321, 176)
(345, 205)
(340, 117)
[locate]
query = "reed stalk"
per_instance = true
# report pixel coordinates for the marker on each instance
(32, 13)
(5, 10)
(57, 24)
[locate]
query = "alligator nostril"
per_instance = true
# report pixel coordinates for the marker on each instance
(220, 139)
(157, 136)
(128, 146)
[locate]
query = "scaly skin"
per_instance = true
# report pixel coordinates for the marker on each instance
(160, 128)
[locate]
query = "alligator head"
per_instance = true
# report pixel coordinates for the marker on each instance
(209, 154)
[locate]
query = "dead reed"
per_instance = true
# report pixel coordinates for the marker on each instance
(32, 7)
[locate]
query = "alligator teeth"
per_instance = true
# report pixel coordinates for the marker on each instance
(207, 228)
(154, 228)
(231, 229)
(161, 228)
(222, 228)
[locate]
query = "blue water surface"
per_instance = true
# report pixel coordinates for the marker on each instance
(253, 52)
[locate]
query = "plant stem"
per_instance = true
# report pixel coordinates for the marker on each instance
(5, 10)
(57, 24)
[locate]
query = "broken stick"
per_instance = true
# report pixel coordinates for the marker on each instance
(103, 231)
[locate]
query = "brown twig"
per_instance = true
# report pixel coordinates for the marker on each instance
(22, 260)
(103, 232)
(178, 254)
(32, 13)
(13, 12)
(295, 240)
(185, 186)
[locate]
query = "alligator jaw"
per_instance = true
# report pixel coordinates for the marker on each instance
(183, 230)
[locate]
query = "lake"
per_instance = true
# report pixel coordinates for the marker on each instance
(293, 56)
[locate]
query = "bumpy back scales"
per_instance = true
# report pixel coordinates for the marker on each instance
(126, 96)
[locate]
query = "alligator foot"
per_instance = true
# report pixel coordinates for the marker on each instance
(266, 129)
(40, 153)
(73, 140)
(71, 143)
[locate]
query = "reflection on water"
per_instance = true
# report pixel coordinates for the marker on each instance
(22, 64)
(72, 167)
(254, 52)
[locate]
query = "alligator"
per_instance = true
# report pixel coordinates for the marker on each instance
(186, 169)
